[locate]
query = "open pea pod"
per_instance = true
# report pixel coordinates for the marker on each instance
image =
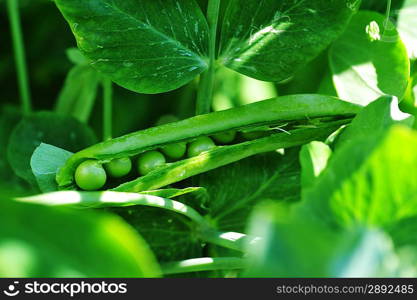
(285, 122)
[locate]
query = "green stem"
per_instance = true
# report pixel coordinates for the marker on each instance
(107, 108)
(232, 240)
(19, 54)
(203, 264)
(206, 85)
(113, 199)
(387, 13)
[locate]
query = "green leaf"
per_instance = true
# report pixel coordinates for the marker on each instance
(407, 26)
(365, 253)
(369, 181)
(404, 232)
(313, 158)
(281, 251)
(45, 161)
(145, 46)
(409, 104)
(326, 86)
(235, 189)
(45, 127)
(112, 199)
(294, 247)
(270, 40)
(78, 94)
(376, 118)
(308, 78)
(42, 241)
(369, 60)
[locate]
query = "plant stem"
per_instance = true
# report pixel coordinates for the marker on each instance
(113, 199)
(107, 108)
(387, 13)
(206, 85)
(184, 108)
(19, 54)
(203, 264)
(232, 240)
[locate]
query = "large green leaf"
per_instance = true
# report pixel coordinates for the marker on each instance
(407, 26)
(235, 89)
(404, 232)
(366, 252)
(370, 181)
(369, 60)
(270, 40)
(376, 5)
(294, 247)
(146, 46)
(45, 127)
(10, 185)
(376, 118)
(307, 79)
(381, 6)
(38, 241)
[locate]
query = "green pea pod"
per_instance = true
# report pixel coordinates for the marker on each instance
(224, 155)
(269, 112)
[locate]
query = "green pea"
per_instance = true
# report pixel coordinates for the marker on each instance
(175, 151)
(225, 137)
(150, 161)
(118, 167)
(200, 145)
(90, 175)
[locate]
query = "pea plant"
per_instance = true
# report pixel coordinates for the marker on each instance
(238, 138)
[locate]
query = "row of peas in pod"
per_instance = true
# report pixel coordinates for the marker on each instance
(91, 175)
(268, 125)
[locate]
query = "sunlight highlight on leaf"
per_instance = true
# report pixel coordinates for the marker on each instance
(269, 40)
